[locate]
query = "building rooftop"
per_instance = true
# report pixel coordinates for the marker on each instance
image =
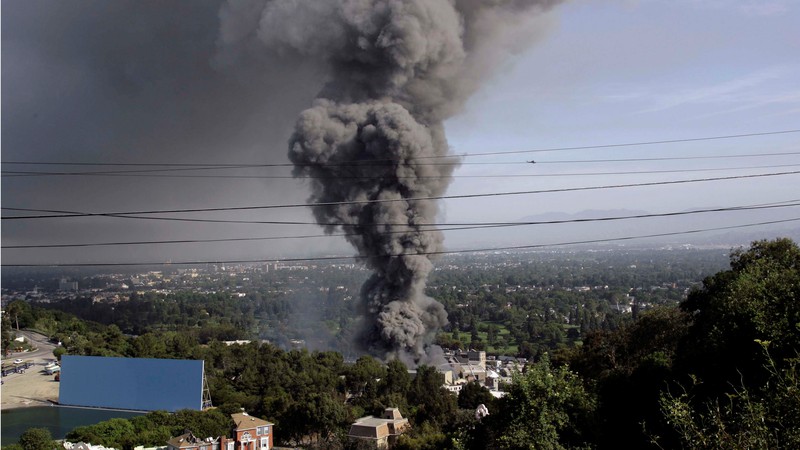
(392, 413)
(369, 427)
(245, 421)
(391, 423)
(188, 440)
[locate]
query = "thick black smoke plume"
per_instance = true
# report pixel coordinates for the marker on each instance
(396, 70)
(344, 148)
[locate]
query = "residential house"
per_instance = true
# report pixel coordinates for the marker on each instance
(189, 441)
(250, 433)
(84, 446)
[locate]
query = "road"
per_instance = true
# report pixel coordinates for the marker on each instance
(34, 387)
(44, 350)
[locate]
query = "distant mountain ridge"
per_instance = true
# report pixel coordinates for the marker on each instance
(568, 232)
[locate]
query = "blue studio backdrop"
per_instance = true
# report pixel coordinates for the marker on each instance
(140, 384)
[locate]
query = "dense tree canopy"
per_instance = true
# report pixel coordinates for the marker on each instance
(37, 439)
(757, 299)
(545, 408)
(741, 352)
(717, 372)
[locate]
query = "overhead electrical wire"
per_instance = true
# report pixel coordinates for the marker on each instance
(123, 172)
(172, 167)
(466, 155)
(63, 214)
(637, 144)
(665, 158)
(454, 227)
(133, 174)
(443, 252)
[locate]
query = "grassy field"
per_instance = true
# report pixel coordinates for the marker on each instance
(504, 342)
(503, 338)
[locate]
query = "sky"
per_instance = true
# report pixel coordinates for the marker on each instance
(145, 82)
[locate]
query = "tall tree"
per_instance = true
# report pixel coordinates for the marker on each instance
(473, 394)
(364, 370)
(37, 439)
(397, 378)
(751, 417)
(757, 299)
(20, 312)
(544, 408)
(6, 333)
(427, 391)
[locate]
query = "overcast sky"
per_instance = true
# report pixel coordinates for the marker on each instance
(143, 82)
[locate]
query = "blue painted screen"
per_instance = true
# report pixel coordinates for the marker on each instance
(142, 384)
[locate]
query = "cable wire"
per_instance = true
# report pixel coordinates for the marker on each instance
(443, 252)
(636, 144)
(453, 227)
(133, 174)
(511, 152)
(665, 158)
(64, 214)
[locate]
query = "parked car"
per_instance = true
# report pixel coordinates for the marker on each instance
(17, 361)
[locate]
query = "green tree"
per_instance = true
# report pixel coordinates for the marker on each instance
(365, 369)
(46, 324)
(491, 334)
(631, 366)
(37, 439)
(394, 387)
(111, 433)
(115, 340)
(757, 299)
(148, 345)
(20, 313)
(397, 379)
(203, 423)
(322, 415)
(765, 417)
(58, 352)
(545, 408)
(473, 394)
(435, 403)
(7, 336)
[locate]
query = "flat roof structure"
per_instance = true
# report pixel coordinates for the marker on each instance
(380, 430)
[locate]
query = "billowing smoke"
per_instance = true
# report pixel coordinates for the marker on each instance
(373, 140)
(344, 148)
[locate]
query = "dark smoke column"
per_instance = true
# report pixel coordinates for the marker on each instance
(370, 152)
(396, 70)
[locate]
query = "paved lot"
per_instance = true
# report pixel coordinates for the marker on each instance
(34, 387)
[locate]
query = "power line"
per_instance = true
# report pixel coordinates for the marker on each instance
(511, 152)
(65, 214)
(444, 252)
(189, 167)
(455, 227)
(123, 172)
(636, 144)
(665, 158)
(137, 174)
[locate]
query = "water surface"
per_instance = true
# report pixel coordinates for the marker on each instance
(60, 420)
